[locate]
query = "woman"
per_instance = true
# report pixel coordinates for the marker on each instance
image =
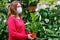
(16, 27)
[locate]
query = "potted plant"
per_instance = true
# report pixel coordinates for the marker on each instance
(33, 25)
(32, 5)
(34, 29)
(32, 8)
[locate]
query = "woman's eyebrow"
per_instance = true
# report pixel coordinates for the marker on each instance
(19, 4)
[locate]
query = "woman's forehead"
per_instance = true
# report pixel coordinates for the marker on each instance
(18, 4)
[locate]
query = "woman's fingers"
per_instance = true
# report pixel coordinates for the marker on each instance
(29, 36)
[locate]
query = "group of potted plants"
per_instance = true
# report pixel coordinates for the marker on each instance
(49, 20)
(46, 29)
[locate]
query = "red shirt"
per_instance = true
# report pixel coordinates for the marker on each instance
(16, 29)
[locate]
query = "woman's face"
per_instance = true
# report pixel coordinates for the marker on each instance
(19, 8)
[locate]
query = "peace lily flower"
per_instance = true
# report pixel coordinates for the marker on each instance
(58, 21)
(58, 2)
(5, 20)
(36, 9)
(40, 18)
(55, 28)
(55, 18)
(46, 20)
(0, 19)
(59, 28)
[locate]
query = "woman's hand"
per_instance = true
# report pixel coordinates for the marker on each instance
(29, 36)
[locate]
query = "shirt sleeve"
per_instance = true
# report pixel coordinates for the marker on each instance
(12, 29)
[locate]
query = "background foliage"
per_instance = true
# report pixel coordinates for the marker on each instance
(46, 21)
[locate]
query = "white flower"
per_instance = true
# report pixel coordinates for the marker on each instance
(56, 29)
(59, 28)
(38, 6)
(46, 20)
(5, 20)
(9, 0)
(55, 18)
(40, 18)
(55, 7)
(58, 21)
(58, 3)
(0, 19)
(36, 9)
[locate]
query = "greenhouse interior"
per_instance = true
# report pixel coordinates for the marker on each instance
(41, 17)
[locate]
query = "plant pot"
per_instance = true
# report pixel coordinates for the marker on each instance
(32, 8)
(34, 35)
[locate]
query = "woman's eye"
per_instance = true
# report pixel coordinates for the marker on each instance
(18, 6)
